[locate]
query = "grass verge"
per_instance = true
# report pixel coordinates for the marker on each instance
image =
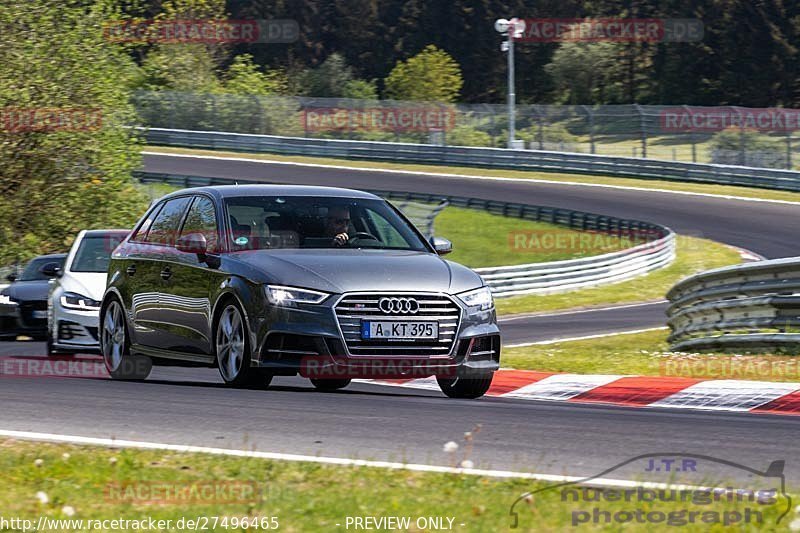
(648, 354)
(102, 484)
(693, 255)
(712, 189)
(482, 239)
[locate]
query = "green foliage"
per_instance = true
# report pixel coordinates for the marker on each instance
(576, 84)
(432, 75)
(331, 79)
(181, 67)
(549, 137)
(55, 183)
(361, 90)
(245, 77)
(734, 146)
(463, 135)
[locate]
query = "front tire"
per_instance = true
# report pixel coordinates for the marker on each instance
(233, 351)
(116, 349)
(465, 388)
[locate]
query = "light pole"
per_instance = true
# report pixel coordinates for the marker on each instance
(512, 29)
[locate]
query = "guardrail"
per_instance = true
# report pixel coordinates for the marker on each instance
(752, 306)
(539, 278)
(480, 157)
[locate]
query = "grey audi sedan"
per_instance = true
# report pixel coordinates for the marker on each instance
(264, 280)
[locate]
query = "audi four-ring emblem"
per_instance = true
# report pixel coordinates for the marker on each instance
(398, 305)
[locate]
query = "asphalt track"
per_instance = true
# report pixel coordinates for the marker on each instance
(366, 421)
(189, 406)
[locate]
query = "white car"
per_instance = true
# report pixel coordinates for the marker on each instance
(73, 308)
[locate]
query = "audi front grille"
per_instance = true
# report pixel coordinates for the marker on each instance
(352, 309)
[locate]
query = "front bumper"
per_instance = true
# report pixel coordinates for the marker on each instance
(309, 340)
(75, 330)
(23, 318)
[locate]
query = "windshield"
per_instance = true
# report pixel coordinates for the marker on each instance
(31, 272)
(94, 252)
(274, 222)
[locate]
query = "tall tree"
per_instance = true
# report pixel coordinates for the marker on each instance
(73, 171)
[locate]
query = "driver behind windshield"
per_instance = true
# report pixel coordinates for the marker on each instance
(337, 224)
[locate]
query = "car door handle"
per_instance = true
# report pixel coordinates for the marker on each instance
(166, 273)
(131, 270)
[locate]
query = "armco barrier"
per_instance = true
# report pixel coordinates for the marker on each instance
(480, 157)
(555, 276)
(752, 306)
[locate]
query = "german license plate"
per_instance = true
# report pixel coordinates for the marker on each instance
(399, 330)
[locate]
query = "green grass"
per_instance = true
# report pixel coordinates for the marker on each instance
(482, 239)
(302, 496)
(648, 354)
(693, 255)
(712, 189)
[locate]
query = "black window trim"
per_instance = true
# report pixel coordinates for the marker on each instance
(154, 210)
(210, 198)
(183, 218)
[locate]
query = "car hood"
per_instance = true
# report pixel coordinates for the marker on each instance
(91, 284)
(338, 271)
(26, 291)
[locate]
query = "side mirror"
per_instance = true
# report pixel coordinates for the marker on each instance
(441, 245)
(12, 278)
(192, 243)
(51, 270)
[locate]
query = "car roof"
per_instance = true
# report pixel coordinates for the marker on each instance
(233, 191)
(50, 256)
(106, 231)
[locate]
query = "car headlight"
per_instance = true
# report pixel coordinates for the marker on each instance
(281, 295)
(72, 300)
(480, 298)
(5, 299)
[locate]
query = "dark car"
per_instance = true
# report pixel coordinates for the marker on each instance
(265, 280)
(23, 304)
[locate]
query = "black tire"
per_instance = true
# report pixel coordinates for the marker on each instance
(115, 347)
(330, 384)
(465, 388)
(238, 373)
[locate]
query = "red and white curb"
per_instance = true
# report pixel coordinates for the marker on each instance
(636, 391)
